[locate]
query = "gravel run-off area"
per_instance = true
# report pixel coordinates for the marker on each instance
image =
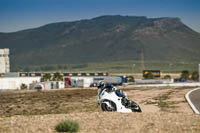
(165, 110)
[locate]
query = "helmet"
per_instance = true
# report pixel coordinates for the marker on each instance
(100, 84)
(109, 85)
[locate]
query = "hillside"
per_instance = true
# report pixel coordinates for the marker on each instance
(104, 39)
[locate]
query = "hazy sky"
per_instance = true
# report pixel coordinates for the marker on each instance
(22, 14)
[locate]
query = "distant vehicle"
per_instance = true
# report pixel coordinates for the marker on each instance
(180, 80)
(115, 80)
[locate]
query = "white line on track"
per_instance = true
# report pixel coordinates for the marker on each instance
(189, 101)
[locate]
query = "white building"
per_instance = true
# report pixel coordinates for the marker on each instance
(4, 61)
(48, 85)
(81, 81)
(16, 82)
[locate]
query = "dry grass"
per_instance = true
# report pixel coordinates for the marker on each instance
(47, 102)
(162, 99)
(164, 110)
(107, 123)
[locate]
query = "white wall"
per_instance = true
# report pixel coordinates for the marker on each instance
(87, 81)
(15, 82)
(47, 85)
(154, 81)
(61, 84)
(4, 61)
(195, 84)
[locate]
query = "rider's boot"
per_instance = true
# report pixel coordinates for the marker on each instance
(125, 102)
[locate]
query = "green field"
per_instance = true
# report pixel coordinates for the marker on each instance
(119, 67)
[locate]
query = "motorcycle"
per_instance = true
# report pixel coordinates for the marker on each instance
(112, 99)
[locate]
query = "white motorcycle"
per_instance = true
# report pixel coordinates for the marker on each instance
(112, 99)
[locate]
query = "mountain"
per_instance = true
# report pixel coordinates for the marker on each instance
(105, 38)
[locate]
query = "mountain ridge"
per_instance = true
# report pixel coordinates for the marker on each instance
(104, 38)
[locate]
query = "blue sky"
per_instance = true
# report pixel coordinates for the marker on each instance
(22, 14)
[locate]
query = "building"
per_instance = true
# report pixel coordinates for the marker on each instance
(4, 61)
(16, 82)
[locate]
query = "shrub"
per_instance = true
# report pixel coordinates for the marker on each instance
(67, 126)
(23, 86)
(167, 77)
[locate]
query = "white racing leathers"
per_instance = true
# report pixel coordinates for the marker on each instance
(112, 99)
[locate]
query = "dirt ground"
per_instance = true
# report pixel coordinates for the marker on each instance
(162, 99)
(164, 110)
(104, 122)
(47, 102)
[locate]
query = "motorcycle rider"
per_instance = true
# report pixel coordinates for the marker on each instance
(102, 85)
(110, 87)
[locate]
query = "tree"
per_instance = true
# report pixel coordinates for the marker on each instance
(185, 74)
(57, 77)
(46, 77)
(195, 76)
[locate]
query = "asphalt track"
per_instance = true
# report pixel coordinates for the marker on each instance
(193, 98)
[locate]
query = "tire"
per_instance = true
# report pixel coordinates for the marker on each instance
(105, 107)
(135, 107)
